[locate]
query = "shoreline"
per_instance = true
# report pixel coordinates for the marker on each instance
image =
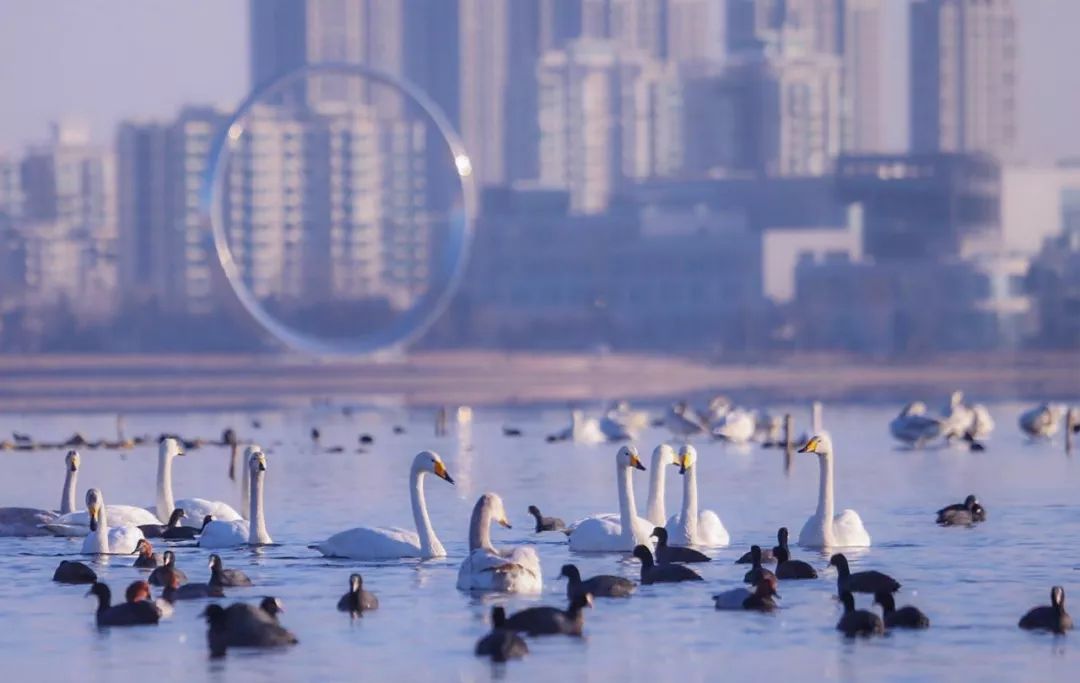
(134, 383)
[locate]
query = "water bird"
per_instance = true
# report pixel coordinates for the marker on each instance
(70, 571)
(195, 509)
(23, 522)
(488, 569)
(174, 591)
(1052, 617)
(103, 539)
(905, 617)
(956, 418)
(822, 529)
(666, 554)
(690, 526)
(858, 622)
(501, 643)
(615, 532)
(581, 430)
(546, 621)
(792, 569)
(757, 573)
(869, 581)
(126, 613)
(72, 522)
(172, 530)
(242, 625)
(655, 507)
(146, 558)
(962, 514)
(761, 599)
(662, 573)
(383, 543)
(600, 586)
(914, 427)
(223, 534)
(162, 576)
(366, 439)
(682, 421)
(357, 600)
(546, 523)
(1041, 422)
(737, 426)
(511, 431)
(226, 577)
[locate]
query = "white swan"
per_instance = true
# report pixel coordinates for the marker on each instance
(220, 534)
(736, 426)
(615, 533)
(1041, 422)
(488, 569)
(691, 527)
(956, 419)
(982, 424)
(914, 427)
(103, 539)
(16, 521)
(656, 508)
(387, 543)
(683, 422)
(196, 509)
(76, 523)
(581, 430)
(822, 529)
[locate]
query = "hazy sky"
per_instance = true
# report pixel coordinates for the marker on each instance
(104, 60)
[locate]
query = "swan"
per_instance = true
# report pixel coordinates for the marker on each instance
(914, 427)
(736, 426)
(76, 523)
(981, 421)
(386, 543)
(581, 430)
(615, 533)
(956, 418)
(691, 527)
(624, 414)
(16, 521)
(683, 422)
(655, 509)
(488, 569)
(1041, 422)
(196, 509)
(822, 530)
(103, 539)
(222, 534)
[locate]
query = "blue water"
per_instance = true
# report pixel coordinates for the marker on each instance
(973, 583)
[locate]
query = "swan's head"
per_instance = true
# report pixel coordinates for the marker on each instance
(662, 455)
(137, 591)
(687, 458)
(144, 548)
(493, 502)
(819, 444)
(71, 461)
(956, 398)
(429, 461)
(356, 583)
(251, 450)
(628, 457)
(170, 447)
(257, 462)
(95, 501)
(1057, 596)
(914, 408)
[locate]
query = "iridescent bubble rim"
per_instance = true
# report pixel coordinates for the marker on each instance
(410, 325)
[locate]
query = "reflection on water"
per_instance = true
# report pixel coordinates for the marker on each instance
(973, 583)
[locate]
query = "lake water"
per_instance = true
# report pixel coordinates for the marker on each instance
(973, 583)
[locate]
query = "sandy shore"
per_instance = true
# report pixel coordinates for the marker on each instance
(169, 382)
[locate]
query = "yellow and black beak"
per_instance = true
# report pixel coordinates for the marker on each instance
(440, 472)
(680, 460)
(636, 462)
(505, 523)
(811, 445)
(93, 512)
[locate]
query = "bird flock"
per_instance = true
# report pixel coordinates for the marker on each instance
(666, 548)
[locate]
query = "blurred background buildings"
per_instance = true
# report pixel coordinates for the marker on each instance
(699, 176)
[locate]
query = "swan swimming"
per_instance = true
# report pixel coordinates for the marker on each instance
(72, 522)
(691, 527)
(196, 508)
(103, 539)
(914, 427)
(736, 426)
(581, 430)
(222, 534)
(655, 508)
(822, 529)
(16, 521)
(957, 418)
(488, 569)
(387, 543)
(1041, 422)
(683, 422)
(615, 533)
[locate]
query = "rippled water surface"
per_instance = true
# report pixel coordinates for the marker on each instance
(973, 583)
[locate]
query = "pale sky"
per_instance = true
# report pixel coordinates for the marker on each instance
(105, 60)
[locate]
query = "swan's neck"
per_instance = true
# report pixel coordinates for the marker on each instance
(627, 508)
(429, 542)
(689, 504)
(67, 498)
(257, 534)
(480, 529)
(102, 540)
(164, 501)
(657, 510)
(825, 498)
(245, 496)
(815, 417)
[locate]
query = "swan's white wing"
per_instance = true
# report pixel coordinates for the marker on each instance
(737, 427)
(602, 533)
(731, 599)
(811, 535)
(589, 432)
(676, 532)
(609, 516)
(119, 541)
(224, 534)
(118, 515)
(372, 543)
(25, 521)
(711, 529)
(517, 571)
(197, 509)
(848, 530)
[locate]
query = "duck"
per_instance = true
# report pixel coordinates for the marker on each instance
(1041, 422)
(489, 570)
(226, 534)
(146, 558)
(386, 543)
(546, 523)
(172, 530)
(609, 532)
(757, 573)
(141, 613)
(870, 581)
(549, 621)
(914, 427)
(858, 622)
(161, 575)
(662, 573)
(226, 577)
(73, 572)
(242, 625)
(76, 523)
(196, 509)
(905, 617)
(501, 644)
(691, 527)
(962, 514)
(357, 600)
(600, 586)
(822, 529)
(103, 539)
(27, 522)
(666, 554)
(1052, 617)
(139, 591)
(761, 599)
(190, 591)
(655, 507)
(787, 569)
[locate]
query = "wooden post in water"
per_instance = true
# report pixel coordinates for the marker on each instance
(789, 446)
(1072, 423)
